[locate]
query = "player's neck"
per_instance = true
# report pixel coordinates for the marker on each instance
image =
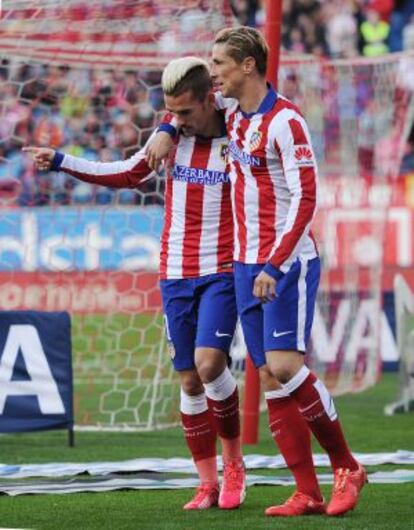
(252, 94)
(215, 126)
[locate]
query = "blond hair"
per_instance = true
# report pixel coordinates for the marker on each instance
(187, 73)
(243, 42)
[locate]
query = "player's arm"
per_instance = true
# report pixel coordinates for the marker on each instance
(158, 149)
(120, 174)
(292, 143)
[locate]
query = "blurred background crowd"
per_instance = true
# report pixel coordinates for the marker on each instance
(100, 115)
(338, 28)
(108, 114)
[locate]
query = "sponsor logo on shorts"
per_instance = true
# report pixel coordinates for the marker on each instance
(281, 333)
(219, 334)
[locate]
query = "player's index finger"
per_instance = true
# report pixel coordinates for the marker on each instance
(30, 149)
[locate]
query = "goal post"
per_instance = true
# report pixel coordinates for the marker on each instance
(251, 403)
(404, 320)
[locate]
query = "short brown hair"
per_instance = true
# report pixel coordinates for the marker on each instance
(245, 42)
(187, 74)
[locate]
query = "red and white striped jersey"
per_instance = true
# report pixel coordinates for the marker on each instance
(197, 237)
(274, 181)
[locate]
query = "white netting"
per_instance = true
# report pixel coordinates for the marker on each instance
(360, 113)
(86, 78)
(404, 316)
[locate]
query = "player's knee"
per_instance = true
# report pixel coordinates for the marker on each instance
(210, 364)
(191, 383)
(284, 365)
(281, 373)
(267, 379)
(273, 377)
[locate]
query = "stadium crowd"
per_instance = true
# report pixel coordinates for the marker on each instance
(100, 115)
(107, 115)
(339, 28)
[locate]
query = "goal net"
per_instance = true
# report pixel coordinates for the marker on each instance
(404, 319)
(360, 112)
(85, 78)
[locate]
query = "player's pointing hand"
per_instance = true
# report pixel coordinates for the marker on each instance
(158, 150)
(264, 287)
(42, 156)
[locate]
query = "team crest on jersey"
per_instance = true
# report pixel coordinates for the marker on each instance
(303, 156)
(224, 152)
(255, 140)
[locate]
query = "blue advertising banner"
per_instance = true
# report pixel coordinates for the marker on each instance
(69, 239)
(36, 388)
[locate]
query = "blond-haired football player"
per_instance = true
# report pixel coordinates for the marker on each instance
(196, 271)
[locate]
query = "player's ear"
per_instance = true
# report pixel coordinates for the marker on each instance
(249, 64)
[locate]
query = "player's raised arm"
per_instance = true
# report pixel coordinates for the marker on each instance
(119, 174)
(42, 156)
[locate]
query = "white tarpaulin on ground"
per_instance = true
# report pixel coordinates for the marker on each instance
(181, 465)
(108, 484)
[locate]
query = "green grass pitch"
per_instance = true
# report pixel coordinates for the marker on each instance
(367, 429)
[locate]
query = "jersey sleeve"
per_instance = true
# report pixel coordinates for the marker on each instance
(291, 139)
(222, 103)
(128, 173)
(169, 124)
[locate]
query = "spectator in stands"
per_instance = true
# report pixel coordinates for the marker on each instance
(246, 11)
(85, 111)
(342, 31)
(408, 35)
(374, 32)
(407, 163)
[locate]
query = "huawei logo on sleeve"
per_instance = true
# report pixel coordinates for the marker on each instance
(303, 156)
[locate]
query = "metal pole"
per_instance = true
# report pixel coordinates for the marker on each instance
(251, 403)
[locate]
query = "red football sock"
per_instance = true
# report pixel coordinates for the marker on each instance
(201, 439)
(226, 418)
(317, 407)
(292, 436)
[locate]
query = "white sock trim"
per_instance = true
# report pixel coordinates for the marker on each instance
(297, 380)
(326, 398)
(192, 405)
(276, 394)
(222, 387)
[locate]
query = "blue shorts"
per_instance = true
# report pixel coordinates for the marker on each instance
(285, 323)
(198, 312)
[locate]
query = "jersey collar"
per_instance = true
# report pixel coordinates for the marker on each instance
(266, 105)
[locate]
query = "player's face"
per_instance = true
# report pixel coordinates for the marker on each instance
(228, 76)
(192, 114)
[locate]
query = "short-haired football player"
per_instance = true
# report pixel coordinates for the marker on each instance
(277, 267)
